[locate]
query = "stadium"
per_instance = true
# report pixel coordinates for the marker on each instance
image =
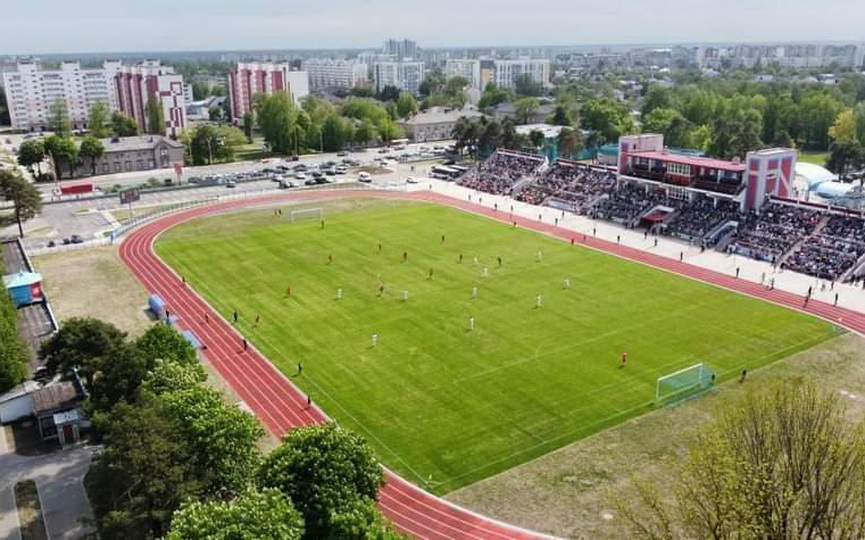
(466, 329)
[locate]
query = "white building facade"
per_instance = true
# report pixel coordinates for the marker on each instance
(406, 76)
(506, 71)
(468, 68)
(328, 74)
(248, 79)
(30, 92)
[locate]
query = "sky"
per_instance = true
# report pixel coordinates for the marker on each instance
(61, 26)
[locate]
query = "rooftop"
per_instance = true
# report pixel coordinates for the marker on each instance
(54, 396)
(440, 115)
(693, 161)
(141, 142)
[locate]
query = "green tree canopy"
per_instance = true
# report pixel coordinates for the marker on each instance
(24, 196)
(406, 105)
(843, 130)
(31, 153)
(526, 85)
(98, 120)
(59, 121)
(779, 463)
(122, 125)
(13, 352)
(91, 149)
(83, 343)
(155, 116)
(608, 117)
(255, 515)
(62, 151)
(322, 468)
(525, 109)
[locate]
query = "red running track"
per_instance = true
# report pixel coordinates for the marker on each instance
(280, 405)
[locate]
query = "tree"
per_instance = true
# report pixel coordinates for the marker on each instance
(562, 116)
(31, 152)
(24, 196)
(58, 118)
(222, 438)
(248, 123)
(84, 343)
(276, 118)
(781, 463)
(818, 112)
(92, 149)
(432, 83)
(13, 352)
(570, 142)
(122, 125)
(657, 97)
(98, 120)
(62, 151)
(406, 105)
(322, 468)
(525, 85)
(845, 157)
(493, 95)
(843, 130)
(859, 116)
(143, 474)
(669, 122)
(365, 132)
(388, 93)
(537, 138)
(155, 116)
(466, 135)
(169, 376)
(525, 109)
(254, 515)
(607, 117)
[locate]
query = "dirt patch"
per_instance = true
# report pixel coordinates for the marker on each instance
(570, 492)
(94, 283)
(32, 523)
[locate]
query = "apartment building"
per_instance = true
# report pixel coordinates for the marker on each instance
(400, 48)
(465, 67)
(406, 75)
(507, 71)
(137, 85)
(31, 91)
(246, 80)
(330, 74)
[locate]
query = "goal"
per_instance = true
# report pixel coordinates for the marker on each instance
(307, 213)
(684, 383)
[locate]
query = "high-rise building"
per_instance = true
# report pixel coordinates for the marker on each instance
(148, 81)
(31, 91)
(406, 76)
(507, 71)
(248, 79)
(465, 67)
(328, 74)
(401, 49)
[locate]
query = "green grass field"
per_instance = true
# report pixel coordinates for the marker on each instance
(442, 405)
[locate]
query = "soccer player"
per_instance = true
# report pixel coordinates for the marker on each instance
(380, 291)
(404, 256)
(206, 318)
(500, 260)
(572, 240)
(288, 291)
(624, 358)
(539, 256)
(257, 319)
(339, 294)
(329, 258)
(744, 374)
(322, 224)
(405, 296)
(430, 274)
(471, 324)
(461, 258)
(183, 279)
(374, 340)
(474, 292)
(486, 272)
(538, 301)
(567, 283)
(443, 239)
(245, 344)
(299, 368)
(379, 247)
(235, 316)
(308, 401)
(476, 259)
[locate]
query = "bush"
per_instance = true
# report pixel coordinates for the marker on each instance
(45, 177)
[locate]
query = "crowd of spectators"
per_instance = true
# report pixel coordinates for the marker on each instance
(696, 220)
(500, 172)
(831, 252)
(575, 184)
(627, 202)
(770, 234)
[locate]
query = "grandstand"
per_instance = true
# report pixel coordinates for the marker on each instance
(703, 216)
(501, 173)
(769, 235)
(569, 185)
(837, 247)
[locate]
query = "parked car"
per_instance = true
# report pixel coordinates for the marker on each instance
(300, 175)
(410, 180)
(317, 174)
(342, 153)
(330, 171)
(364, 177)
(230, 184)
(76, 239)
(341, 169)
(311, 182)
(383, 150)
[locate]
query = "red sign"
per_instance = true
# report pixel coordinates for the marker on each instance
(74, 189)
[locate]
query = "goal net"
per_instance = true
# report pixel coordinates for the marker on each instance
(306, 214)
(684, 383)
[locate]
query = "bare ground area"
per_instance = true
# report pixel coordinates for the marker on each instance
(570, 492)
(96, 283)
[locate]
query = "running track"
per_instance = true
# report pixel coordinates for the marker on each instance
(280, 405)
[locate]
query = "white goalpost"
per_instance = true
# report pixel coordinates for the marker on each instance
(307, 213)
(684, 383)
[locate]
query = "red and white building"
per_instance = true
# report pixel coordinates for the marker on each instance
(248, 79)
(764, 174)
(136, 85)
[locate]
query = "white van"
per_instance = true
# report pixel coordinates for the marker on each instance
(364, 177)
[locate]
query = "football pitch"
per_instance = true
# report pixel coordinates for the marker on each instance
(444, 405)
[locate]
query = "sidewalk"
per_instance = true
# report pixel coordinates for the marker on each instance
(850, 297)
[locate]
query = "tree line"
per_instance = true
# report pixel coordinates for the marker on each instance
(181, 463)
(13, 352)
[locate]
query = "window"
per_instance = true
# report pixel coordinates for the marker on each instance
(679, 169)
